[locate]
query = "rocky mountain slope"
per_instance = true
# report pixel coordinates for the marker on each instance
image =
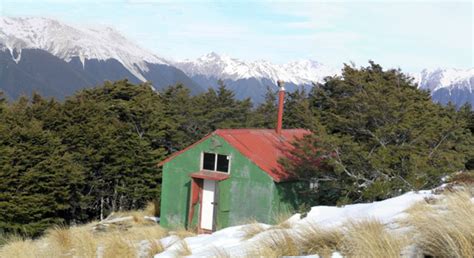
(251, 79)
(56, 59)
(449, 85)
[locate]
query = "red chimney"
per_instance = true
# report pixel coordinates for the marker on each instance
(281, 98)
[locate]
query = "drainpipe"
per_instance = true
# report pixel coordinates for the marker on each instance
(281, 98)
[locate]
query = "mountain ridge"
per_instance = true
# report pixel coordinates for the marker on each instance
(91, 55)
(56, 59)
(225, 67)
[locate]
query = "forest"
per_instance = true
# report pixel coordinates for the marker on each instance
(375, 135)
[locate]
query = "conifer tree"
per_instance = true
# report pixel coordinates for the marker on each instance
(298, 112)
(40, 181)
(265, 114)
(383, 136)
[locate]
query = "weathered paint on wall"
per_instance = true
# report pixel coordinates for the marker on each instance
(249, 193)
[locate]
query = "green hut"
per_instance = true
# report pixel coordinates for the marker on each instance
(229, 177)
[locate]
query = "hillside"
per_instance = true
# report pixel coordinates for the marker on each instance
(56, 59)
(449, 85)
(251, 79)
(402, 226)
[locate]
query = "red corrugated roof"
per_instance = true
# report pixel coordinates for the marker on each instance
(262, 146)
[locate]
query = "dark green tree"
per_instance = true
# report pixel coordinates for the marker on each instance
(265, 114)
(382, 137)
(40, 181)
(113, 132)
(298, 112)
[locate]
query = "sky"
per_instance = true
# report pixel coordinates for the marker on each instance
(411, 35)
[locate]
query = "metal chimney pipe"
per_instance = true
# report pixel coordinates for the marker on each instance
(281, 99)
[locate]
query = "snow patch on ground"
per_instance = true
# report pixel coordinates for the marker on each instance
(231, 239)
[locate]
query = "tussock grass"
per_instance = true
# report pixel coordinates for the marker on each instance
(252, 230)
(445, 229)
(183, 249)
(154, 247)
(182, 232)
(20, 248)
(151, 209)
(281, 219)
(61, 239)
(440, 226)
(118, 246)
(146, 232)
(281, 242)
(314, 239)
(83, 241)
(369, 238)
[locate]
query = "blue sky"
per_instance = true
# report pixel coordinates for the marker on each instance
(411, 35)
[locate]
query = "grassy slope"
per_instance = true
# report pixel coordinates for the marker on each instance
(440, 226)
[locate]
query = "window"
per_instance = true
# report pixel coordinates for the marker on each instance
(222, 163)
(215, 162)
(209, 161)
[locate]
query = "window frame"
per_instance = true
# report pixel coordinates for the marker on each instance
(215, 162)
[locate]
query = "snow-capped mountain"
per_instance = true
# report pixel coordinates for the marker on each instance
(67, 42)
(251, 78)
(57, 59)
(227, 68)
(46, 55)
(449, 85)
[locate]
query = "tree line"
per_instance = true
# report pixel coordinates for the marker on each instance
(375, 135)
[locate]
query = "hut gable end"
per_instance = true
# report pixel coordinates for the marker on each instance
(264, 147)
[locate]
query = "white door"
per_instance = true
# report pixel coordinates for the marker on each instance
(207, 210)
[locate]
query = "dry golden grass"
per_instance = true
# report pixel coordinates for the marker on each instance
(183, 249)
(182, 233)
(145, 232)
(84, 241)
(445, 229)
(369, 238)
(60, 238)
(281, 219)
(116, 245)
(252, 230)
(314, 239)
(281, 242)
(151, 209)
(154, 247)
(20, 248)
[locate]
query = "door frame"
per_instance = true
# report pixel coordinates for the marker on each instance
(197, 185)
